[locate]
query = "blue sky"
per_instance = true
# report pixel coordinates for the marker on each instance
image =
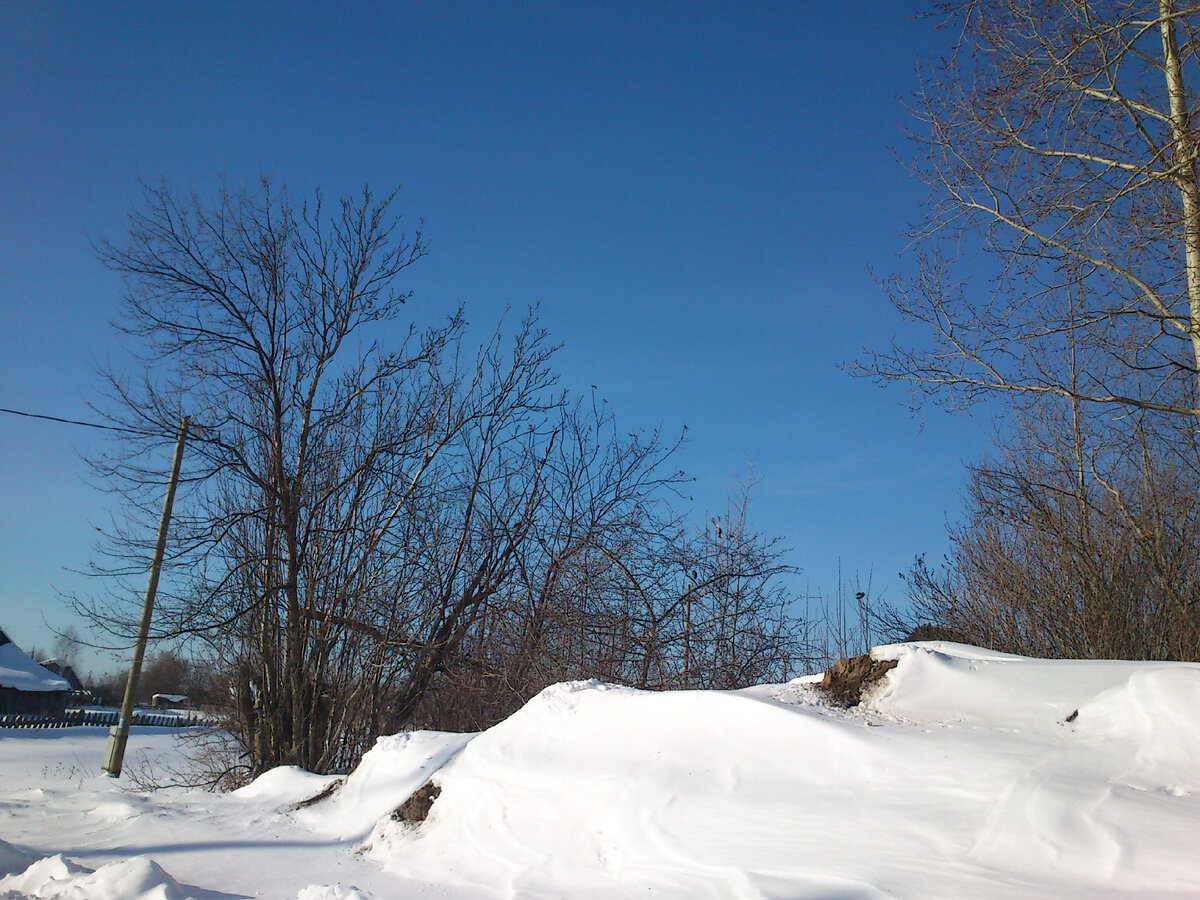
(692, 192)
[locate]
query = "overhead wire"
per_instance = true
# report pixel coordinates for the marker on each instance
(29, 415)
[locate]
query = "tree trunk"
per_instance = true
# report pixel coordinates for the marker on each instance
(1183, 144)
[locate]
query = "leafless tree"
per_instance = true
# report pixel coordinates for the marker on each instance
(637, 598)
(369, 539)
(67, 646)
(739, 625)
(1058, 138)
(259, 318)
(1058, 268)
(849, 621)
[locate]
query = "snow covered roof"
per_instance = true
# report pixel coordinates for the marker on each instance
(19, 671)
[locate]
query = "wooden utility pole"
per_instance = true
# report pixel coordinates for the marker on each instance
(118, 735)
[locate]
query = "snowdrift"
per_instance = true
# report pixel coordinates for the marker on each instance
(963, 773)
(56, 878)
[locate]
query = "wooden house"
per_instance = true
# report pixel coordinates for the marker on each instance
(27, 688)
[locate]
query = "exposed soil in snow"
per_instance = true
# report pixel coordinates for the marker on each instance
(849, 679)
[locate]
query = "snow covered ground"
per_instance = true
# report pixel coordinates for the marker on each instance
(966, 774)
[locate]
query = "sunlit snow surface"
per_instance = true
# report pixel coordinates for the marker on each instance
(966, 774)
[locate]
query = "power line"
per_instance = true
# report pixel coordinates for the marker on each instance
(29, 415)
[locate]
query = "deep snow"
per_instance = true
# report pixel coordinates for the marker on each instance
(965, 774)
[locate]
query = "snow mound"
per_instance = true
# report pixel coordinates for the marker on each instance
(385, 777)
(593, 790)
(284, 785)
(57, 878)
(333, 892)
(939, 681)
(110, 813)
(960, 775)
(1156, 714)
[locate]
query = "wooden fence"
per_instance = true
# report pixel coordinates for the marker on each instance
(102, 718)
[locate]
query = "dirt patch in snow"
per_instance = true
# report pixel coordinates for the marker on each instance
(846, 679)
(416, 807)
(330, 789)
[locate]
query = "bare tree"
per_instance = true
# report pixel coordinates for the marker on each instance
(166, 672)
(616, 585)
(1079, 541)
(739, 627)
(259, 319)
(369, 539)
(542, 625)
(848, 622)
(67, 646)
(672, 606)
(1059, 141)
(1059, 138)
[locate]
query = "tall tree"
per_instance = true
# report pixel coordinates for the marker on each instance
(362, 531)
(316, 451)
(1058, 269)
(254, 316)
(1059, 137)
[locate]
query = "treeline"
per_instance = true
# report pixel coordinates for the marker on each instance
(384, 526)
(166, 671)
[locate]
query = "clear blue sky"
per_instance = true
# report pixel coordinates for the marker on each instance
(692, 191)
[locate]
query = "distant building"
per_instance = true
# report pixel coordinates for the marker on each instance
(63, 670)
(27, 688)
(80, 696)
(168, 701)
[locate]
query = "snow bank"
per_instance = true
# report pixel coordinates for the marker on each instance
(389, 772)
(1156, 714)
(963, 773)
(960, 769)
(593, 790)
(283, 786)
(333, 892)
(56, 878)
(1148, 713)
(939, 681)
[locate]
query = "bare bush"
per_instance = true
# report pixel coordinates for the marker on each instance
(1077, 542)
